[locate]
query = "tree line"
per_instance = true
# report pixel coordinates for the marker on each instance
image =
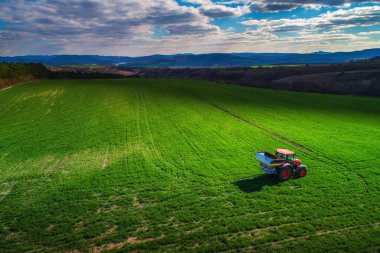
(12, 71)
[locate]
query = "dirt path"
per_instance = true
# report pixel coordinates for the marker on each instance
(2, 88)
(5, 88)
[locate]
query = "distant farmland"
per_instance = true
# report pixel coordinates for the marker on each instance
(168, 165)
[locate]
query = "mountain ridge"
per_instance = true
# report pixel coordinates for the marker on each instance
(199, 60)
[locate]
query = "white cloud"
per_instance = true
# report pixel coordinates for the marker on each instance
(370, 33)
(198, 1)
(221, 11)
(360, 16)
(255, 22)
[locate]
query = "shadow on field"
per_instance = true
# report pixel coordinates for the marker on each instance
(257, 183)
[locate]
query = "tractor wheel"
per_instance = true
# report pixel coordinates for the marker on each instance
(284, 173)
(301, 171)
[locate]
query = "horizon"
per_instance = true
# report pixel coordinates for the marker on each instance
(166, 27)
(313, 52)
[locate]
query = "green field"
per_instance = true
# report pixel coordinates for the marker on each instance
(275, 66)
(168, 165)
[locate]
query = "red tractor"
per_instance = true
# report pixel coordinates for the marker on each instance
(283, 164)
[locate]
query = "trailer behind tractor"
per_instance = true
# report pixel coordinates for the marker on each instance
(283, 164)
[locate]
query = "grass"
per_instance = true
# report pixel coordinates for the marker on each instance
(84, 66)
(168, 165)
(263, 66)
(275, 66)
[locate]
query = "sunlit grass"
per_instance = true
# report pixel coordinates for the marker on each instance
(144, 164)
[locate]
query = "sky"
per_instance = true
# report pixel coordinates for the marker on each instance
(146, 27)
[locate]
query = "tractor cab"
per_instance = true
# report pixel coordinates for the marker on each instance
(288, 155)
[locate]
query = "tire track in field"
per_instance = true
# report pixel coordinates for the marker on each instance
(260, 232)
(344, 166)
(263, 129)
(278, 244)
(191, 145)
(308, 151)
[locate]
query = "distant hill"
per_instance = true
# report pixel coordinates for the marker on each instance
(360, 77)
(199, 60)
(58, 60)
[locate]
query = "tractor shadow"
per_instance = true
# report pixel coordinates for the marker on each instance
(257, 183)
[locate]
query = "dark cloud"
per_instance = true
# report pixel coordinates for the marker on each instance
(285, 5)
(70, 24)
(219, 11)
(59, 17)
(191, 29)
(160, 16)
(272, 7)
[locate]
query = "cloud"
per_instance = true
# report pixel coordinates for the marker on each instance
(369, 33)
(220, 2)
(257, 22)
(201, 2)
(340, 19)
(135, 27)
(74, 23)
(222, 11)
(259, 35)
(60, 17)
(287, 5)
(192, 29)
